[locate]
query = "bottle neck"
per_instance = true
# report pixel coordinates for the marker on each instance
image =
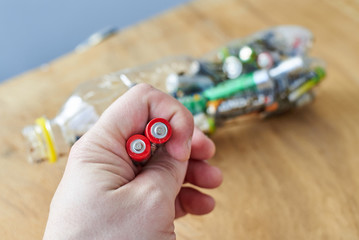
(45, 141)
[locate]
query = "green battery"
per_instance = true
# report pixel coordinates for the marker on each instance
(230, 87)
(195, 104)
(223, 53)
(320, 73)
(247, 54)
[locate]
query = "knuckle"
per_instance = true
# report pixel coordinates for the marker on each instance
(143, 87)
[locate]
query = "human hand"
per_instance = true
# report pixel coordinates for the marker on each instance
(102, 195)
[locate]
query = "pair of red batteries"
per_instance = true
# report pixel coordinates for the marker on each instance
(158, 131)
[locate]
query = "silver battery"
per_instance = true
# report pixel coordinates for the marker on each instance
(287, 66)
(232, 67)
(138, 146)
(159, 130)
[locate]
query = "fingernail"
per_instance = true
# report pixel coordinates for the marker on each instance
(188, 148)
(189, 144)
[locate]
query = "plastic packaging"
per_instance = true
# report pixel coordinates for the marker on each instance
(267, 73)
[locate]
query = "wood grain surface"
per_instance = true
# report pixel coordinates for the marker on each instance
(290, 177)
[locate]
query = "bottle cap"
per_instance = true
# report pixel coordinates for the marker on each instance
(40, 141)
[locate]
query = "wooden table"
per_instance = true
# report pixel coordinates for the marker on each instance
(290, 177)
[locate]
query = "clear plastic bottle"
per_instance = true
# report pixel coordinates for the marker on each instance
(267, 73)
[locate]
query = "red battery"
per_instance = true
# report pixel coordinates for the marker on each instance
(265, 60)
(138, 148)
(158, 131)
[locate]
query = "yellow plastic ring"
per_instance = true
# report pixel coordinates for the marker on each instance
(51, 152)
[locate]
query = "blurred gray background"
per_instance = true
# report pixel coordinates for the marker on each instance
(35, 32)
